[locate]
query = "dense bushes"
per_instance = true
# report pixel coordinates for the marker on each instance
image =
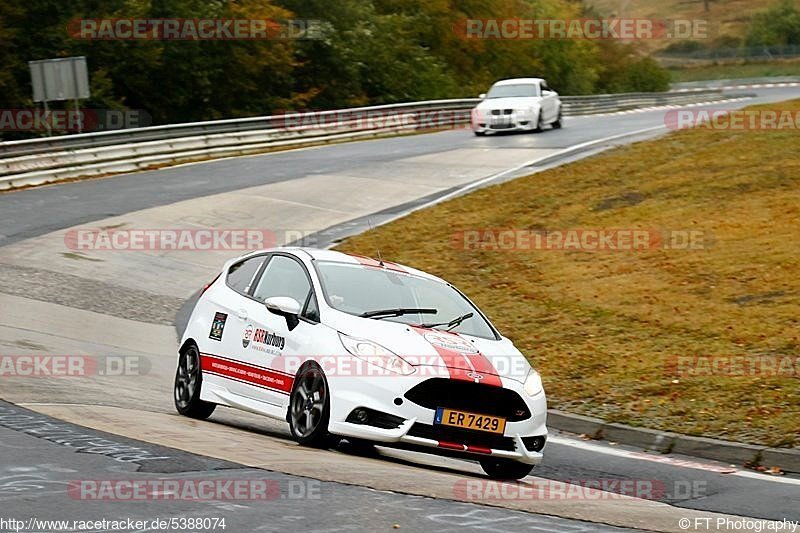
(375, 51)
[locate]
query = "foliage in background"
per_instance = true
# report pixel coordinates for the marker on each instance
(779, 25)
(378, 51)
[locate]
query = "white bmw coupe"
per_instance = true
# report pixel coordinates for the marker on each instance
(522, 104)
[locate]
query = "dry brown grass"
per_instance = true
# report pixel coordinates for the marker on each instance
(602, 327)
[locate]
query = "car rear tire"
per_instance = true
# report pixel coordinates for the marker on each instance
(505, 468)
(310, 407)
(188, 382)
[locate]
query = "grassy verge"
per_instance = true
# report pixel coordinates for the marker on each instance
(735, 71)
(604, 327)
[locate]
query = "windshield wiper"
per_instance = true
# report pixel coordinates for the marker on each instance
(383, 313)
(450, 325)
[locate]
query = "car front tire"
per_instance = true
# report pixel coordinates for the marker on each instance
(505, 469)
(310, 407)
(188, 382)
(539, 124)
(558, 123)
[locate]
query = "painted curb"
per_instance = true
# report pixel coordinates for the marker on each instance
(730, 452)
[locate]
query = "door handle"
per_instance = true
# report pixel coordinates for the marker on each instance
(242, 314)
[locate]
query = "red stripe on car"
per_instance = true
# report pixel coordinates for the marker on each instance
(463, 366)
(451, 445)
(260, 377)
(479, 449)
(370, 262)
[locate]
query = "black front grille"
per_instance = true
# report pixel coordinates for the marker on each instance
(471, 397)
(462, 436)
(502, 111)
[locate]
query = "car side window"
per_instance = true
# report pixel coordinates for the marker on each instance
(283, 276)
(311, 311)
(241, 275)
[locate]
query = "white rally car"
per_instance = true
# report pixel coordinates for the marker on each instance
(521, 104)
(347, 346)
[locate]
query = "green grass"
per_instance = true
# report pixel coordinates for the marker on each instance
(603, 327)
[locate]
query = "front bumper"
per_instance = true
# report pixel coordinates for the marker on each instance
(417, 431)
(506, 122)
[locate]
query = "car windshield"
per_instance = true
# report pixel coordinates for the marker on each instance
(356, 289)
(513, 91)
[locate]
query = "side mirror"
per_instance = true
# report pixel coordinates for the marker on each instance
(482, 96)
(287, 307)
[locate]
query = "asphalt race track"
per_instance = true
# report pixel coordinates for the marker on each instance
(58, 300)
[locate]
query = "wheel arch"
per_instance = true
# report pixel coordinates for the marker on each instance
(188, 342)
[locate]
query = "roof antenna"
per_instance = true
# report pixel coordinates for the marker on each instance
(380, 260)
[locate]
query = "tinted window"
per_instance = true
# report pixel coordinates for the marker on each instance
(240, 275)
(513, 91)
(355, 289)
(283, 277)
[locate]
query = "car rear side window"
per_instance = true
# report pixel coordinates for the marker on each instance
(283, 277)
(241, 275)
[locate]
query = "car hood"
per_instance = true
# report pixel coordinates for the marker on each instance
(509, 103)
(463, 356)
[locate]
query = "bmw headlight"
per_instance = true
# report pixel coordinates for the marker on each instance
(533, 383)
(376, 354)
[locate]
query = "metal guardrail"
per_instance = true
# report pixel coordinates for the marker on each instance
(37, 161)
(743, 52)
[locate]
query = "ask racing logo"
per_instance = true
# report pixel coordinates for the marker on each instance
(262, 340)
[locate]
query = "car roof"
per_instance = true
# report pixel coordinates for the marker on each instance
(520, 81)
(319, 254)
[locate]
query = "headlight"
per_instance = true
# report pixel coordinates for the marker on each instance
(376, 354)
(533, 383)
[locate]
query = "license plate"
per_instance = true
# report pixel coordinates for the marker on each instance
(462, 419)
